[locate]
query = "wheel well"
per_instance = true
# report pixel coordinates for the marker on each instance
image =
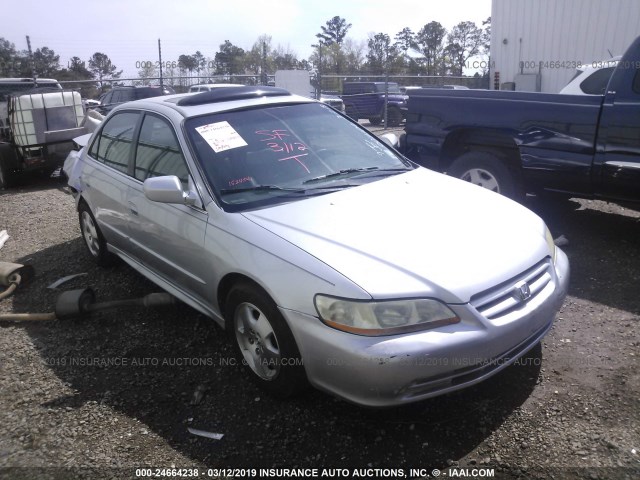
(82, 201)
(500, 144)
(9, 155)
(228, 282)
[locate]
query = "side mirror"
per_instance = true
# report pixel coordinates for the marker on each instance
(167, 189)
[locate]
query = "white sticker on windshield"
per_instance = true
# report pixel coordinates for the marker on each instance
(221, 136)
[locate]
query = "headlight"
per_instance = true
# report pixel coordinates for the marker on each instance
(388, 317)
(550, 244)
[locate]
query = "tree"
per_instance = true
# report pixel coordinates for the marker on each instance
(428, 41)
(405, 41)
(353, 53)
(464, 42)
(335, 31)
(45, 62)
(101, 67)
(259, 59)
(230, 59)
(486, 36)
(11, 62)
(200, 61)
(79, 69)
(330, 44)
(284, 58)
(187, 63)
(381, 53)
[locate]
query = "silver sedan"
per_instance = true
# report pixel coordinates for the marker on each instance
(328, 257)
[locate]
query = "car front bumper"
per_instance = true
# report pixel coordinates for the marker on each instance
(400, 369)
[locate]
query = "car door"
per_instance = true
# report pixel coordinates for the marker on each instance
(105, 181)
(167, 238)
(618, 148)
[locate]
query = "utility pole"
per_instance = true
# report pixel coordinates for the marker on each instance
(160, 58)
(31, 63)
(265, 79)
(386, 86)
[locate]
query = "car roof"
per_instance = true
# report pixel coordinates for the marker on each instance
(216, 85)
(218, 100)
(27, 80)
(359, 83)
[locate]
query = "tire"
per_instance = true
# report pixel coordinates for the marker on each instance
(486, 170)
(351, 112)
(93, 238)
(6, 176)
(263, 341)
(375, 120)
(394, 117)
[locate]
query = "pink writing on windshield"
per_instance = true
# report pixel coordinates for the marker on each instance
(276, 143)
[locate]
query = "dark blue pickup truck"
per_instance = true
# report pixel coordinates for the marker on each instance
(520, 142)
(367, 100)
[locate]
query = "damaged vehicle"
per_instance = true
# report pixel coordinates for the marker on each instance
(327, 256)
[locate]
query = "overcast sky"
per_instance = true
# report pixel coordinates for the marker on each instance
(128, 31)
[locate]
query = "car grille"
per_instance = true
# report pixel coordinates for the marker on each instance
(516, 293)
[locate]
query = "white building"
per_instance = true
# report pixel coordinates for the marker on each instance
(537, 44)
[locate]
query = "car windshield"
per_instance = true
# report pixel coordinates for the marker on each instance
(282, 153)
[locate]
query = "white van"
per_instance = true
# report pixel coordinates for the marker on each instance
(591, 78)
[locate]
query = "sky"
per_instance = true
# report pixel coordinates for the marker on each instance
(128, 30)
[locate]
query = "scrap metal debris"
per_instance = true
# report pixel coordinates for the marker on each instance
(4, 236)
(62, 280)
(203, 433)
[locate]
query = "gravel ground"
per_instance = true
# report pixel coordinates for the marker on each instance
(98, 398)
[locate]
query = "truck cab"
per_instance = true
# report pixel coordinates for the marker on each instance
(367, 100)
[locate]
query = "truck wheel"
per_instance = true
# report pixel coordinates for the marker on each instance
(263, 341)
(6, 175)
(394, 117)
(485, 170)
(375, 120)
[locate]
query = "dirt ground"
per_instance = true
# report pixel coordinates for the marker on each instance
(101, 397)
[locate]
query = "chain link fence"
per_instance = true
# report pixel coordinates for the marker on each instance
(326, 83)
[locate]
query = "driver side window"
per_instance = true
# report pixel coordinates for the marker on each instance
(158, 152)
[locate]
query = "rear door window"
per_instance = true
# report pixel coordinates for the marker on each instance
(113, 146)
(596, 83)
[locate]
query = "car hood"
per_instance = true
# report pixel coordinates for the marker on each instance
(415, 234)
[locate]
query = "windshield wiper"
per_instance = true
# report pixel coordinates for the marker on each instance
(259, 188)
(346, 171)
(355, 170)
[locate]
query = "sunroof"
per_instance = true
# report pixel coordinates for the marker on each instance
(225, 94)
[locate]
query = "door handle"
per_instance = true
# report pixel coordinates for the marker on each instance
(133, 208)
